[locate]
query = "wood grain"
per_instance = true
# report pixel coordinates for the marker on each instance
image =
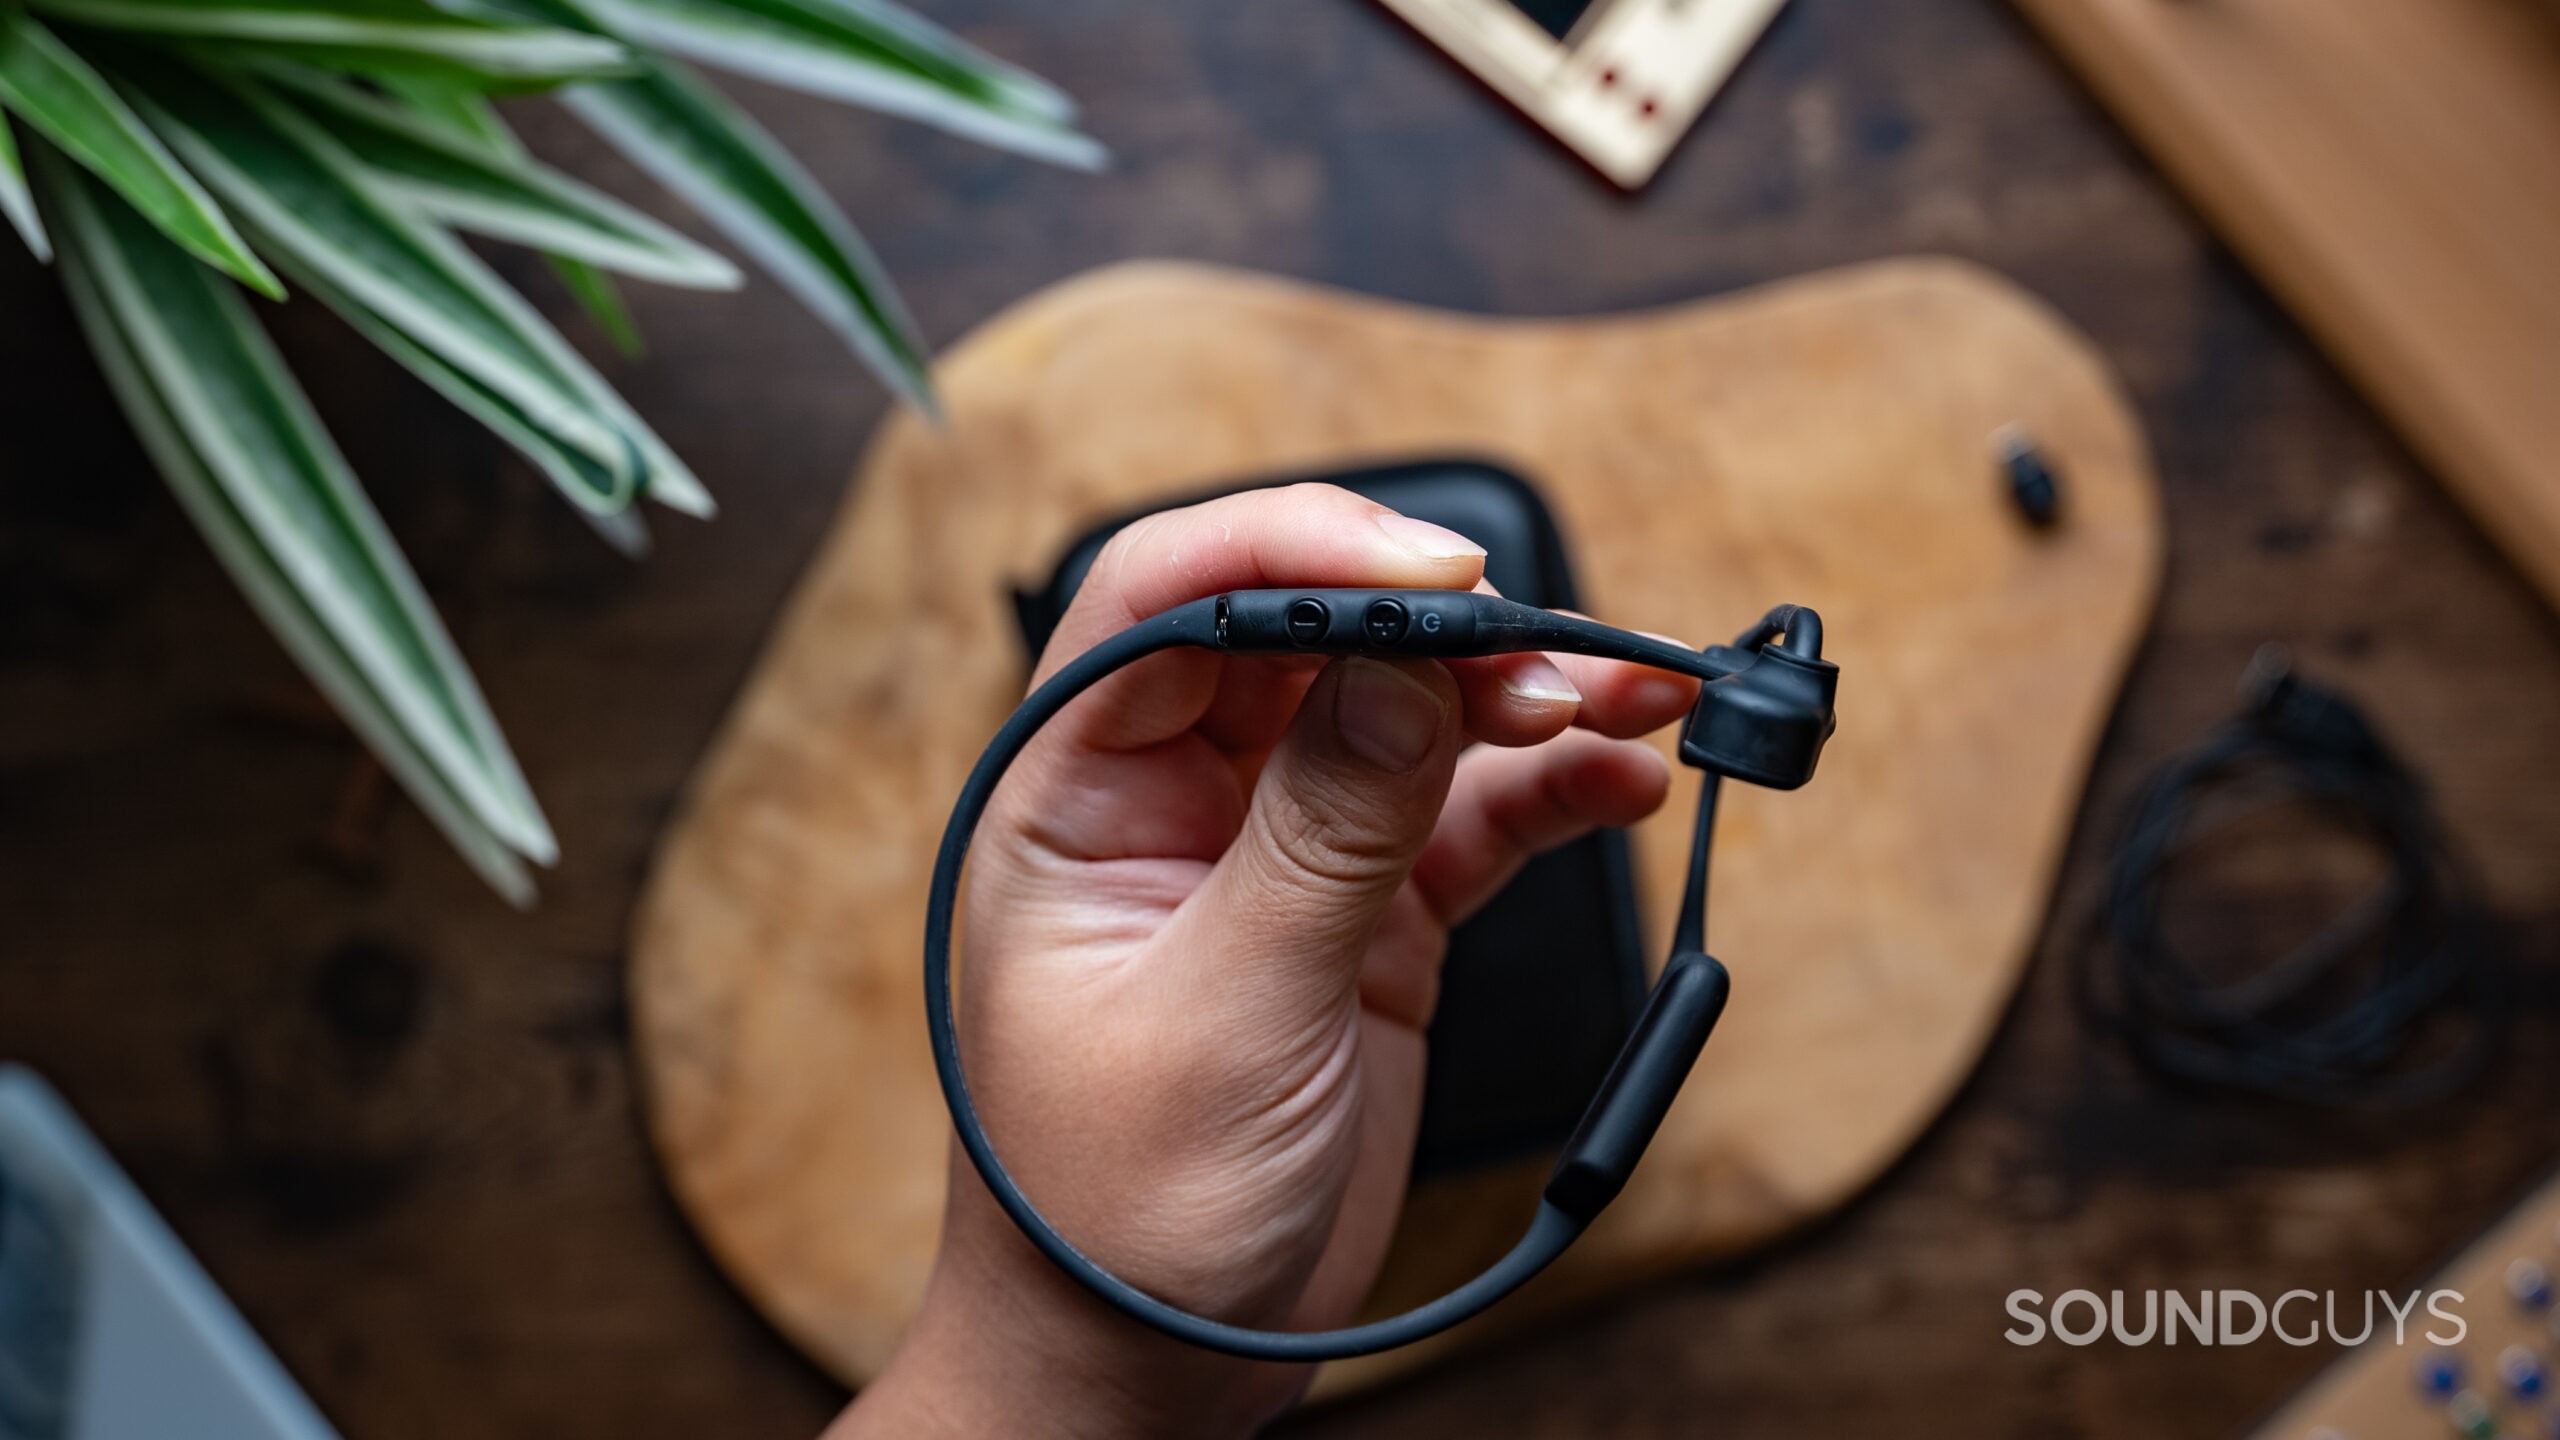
(444, 1213)
(1828, 440)
(2392, 167)
(2369, 1391)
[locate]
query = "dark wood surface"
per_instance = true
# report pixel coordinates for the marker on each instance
(397, 1120)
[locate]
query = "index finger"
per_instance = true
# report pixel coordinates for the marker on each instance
(1312, 535)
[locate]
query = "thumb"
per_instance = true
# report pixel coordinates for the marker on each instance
(1342, 809)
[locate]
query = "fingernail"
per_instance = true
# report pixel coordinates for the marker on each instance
(1539, 681)
(1663, 692)
(1427, 540)
(1385, 716)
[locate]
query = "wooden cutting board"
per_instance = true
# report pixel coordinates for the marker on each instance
(2392, 169)
(1827, 440)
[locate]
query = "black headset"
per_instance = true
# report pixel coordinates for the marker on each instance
(1762, 716)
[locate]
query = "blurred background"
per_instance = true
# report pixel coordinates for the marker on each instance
(397, 1120)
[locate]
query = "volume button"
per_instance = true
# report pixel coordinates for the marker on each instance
(1385, 623)
(1307, 620)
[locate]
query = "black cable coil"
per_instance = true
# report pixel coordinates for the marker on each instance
(2394, 1002)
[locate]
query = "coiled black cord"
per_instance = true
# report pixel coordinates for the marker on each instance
(2394, 1002)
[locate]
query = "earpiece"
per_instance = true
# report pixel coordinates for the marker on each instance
(1766, 722)
(1763, 714)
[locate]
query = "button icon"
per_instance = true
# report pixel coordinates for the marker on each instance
(1386, 621)
(2529, 1281)
(1431, 623)
(2439, 1375)
(2523, 1372)
(1307, 619)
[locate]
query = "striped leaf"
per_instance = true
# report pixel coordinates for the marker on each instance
(64, 99)
(15, 202)
(689, 138)
(487, 190)
(469, 116)
(317, 213)
(238, 443)
(865, 53)
(566, 469)
(596, 294)
(365, 36)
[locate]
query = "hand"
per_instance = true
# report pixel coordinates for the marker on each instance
(1202, 936)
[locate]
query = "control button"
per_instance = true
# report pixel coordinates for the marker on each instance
(1307, 619)
(2529, 1281)
(2471, 1417)
(2521, 1371)
(1386, 621)
(2439, 1375)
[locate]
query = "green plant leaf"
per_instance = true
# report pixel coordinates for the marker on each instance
(486, 189)
(690, 139)
(61, 97)
(469, 115)
(15, 202)
(367, 36)
(272, 596)
(865, 53)
(237, 442)
(462, 110)
(567, 469)
(595, 293)
(314, 209)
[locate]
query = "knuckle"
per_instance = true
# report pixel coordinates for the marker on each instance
(1333, 841)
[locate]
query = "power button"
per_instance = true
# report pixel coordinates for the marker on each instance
(1385, 621)
(1307, 620)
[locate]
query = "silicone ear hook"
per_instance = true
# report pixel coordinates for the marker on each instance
(1767, 722)
(1763, 714)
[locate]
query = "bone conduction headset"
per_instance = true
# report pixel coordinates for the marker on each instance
(1762, 716)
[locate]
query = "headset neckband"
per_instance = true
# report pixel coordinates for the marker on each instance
(1762, 716)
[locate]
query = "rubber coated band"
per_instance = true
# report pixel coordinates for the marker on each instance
(1203, 624)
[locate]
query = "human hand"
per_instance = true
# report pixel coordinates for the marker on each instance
(1203, 929)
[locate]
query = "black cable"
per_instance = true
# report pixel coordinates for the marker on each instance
(1777, 729)
(2341, 1017)
(1689, 934)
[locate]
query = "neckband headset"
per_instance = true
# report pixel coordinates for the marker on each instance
(1763, 713)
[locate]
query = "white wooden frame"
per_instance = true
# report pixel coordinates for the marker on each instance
(1622, 88)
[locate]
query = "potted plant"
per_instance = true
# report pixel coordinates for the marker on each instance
(165, 155)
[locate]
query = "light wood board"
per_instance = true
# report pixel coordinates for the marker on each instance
(2371, 1391)
(2391, 168)
(1622, 87)
(1827, 440)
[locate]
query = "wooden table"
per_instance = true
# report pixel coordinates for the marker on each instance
(397, 1121)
